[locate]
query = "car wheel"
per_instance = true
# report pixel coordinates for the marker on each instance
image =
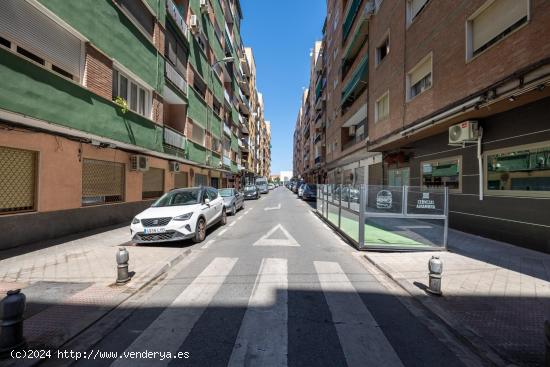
(233, 209)
(200, 231)
(223, 220)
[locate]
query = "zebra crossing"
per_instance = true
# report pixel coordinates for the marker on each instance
(262, 338)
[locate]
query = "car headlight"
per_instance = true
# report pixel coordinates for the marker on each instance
(135, 221)
(183, 217)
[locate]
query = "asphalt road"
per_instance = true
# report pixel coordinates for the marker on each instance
(275, 287)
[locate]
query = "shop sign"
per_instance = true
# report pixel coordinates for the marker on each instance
(384, 199)
(425, 202)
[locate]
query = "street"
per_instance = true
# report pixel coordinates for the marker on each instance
(275, 287)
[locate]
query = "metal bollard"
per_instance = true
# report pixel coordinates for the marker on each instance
(435, 266)
(122, 258)
(12, 308)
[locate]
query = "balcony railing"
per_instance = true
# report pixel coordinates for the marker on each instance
(175, 138)
(226, 161)
(226, 96)
(175, 77)
(177, 17)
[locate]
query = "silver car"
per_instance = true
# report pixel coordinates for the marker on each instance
(233, 200)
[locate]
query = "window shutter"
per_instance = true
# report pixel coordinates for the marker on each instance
(33, 30)
(421, 70)
(494, 20)
(153, 182)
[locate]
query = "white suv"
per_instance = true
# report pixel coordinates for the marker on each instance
(179, 214)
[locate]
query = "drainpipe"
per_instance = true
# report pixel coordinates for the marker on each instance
(480, 162)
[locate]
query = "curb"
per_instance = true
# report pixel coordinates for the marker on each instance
(129, 292)
(456, 327)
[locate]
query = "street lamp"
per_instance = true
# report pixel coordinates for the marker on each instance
(224, 60)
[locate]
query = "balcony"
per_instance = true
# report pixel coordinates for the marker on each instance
(317, 138)
(244, 104)
(244, 66)
(318, 160)
(175, 77)
(226, 161)
(226, 129)
(176, 17)
(356, 84)
(350, 17)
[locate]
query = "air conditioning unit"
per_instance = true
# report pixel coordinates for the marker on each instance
(194, 23)
(139, 163)
(204, 6)
(351, 130)
(174, 166)
(466, 131)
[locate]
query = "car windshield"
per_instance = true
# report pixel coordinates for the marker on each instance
(177, 198)
(312, 187)
(250, 188)
(225, 193)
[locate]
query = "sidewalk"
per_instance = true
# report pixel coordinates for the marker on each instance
(495, 295)
(70, 285)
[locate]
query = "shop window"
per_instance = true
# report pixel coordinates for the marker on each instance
(519, 171)
(102, 182)
(153, 183)
(382, 107)
(419, 79)
(18, 173)
(398, 176)
(442, 173)
(493, 22)
(138, 98)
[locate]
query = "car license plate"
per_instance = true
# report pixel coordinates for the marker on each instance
(154, 230)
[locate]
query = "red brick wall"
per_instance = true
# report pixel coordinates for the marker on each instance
(157, 113)
(98, 73)
(158, 37)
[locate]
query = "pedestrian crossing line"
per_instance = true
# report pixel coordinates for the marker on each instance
(232, 223)
(360, 336)
(207, 244)
(263, 336)
(172, 327)
(221, 232)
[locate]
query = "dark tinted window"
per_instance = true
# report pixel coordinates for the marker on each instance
(140, 14)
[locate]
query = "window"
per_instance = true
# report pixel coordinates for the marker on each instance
(523, 170)
(138, 98)
(398, 176)
(52, 46)
(441, 173)
(382, 107)
(140, 16)
(493, 22)
(383, 50)
(198, 134)
(175, 52)
(414, 7)
(18, 172)
(419, 79)
(102, 182)
(153, 183)
(199, 85)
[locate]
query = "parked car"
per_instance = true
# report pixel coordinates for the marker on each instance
(270, 186)
(310, 192)
(261, 182)
(301, 189)
(179, 214)
(251, 192)
(233, 200)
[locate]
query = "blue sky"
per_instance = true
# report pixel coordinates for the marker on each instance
(281, 34)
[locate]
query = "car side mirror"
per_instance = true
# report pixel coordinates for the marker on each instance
(207, 201)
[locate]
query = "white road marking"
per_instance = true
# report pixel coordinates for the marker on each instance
(207, 244)
(171, 328)
(414, 227)
(360, 336)
(274, 208)
(221, 232)
(246, 212)
(232, 223)
(263, 336)
(266, 241)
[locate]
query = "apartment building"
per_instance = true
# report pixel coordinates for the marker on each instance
(107, 104)
(458, 97)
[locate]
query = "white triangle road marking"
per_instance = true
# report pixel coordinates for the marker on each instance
(266, 241)
(273, 208)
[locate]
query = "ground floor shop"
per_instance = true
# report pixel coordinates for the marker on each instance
(57, 185)
(509, 198)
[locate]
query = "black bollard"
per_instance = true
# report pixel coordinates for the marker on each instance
(12, 308)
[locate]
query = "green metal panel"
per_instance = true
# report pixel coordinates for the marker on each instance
(234, 143)
(30, 90)
(198, 59)
(197, 153)
(215, 125)
(215, 160)
(217, 88)
(234, 168)
(235, 115)
(218, 12)
(196, 109)
(112, 32)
